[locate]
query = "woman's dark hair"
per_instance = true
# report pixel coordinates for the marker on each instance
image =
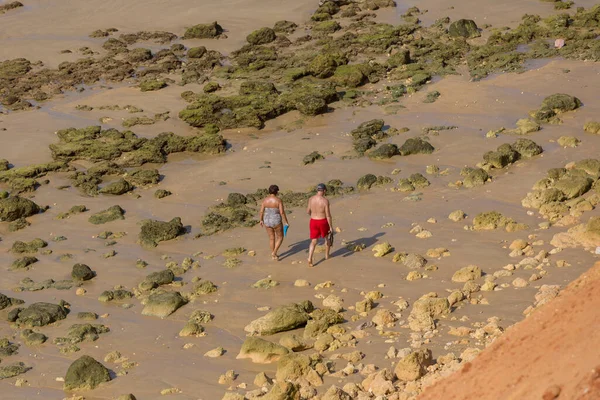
(273, 189)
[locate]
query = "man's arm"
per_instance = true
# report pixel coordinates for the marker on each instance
(308, 209)
(328, 215)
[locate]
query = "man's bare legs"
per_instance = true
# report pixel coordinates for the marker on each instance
(311, 251)
(277, 241)
(327, 249)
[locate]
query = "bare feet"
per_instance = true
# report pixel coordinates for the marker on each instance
(310, 264)
(275, 257)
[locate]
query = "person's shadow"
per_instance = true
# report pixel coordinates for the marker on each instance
(344, 251)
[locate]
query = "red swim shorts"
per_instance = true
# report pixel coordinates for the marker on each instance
(319, 228)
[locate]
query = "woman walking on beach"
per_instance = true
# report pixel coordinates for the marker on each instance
(271, 215)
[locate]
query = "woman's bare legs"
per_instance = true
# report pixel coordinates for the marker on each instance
(278, 240)
(271, 233)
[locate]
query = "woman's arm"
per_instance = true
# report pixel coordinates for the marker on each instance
(262, 212)
(282, 212)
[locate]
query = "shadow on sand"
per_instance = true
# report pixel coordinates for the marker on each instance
(344, 251)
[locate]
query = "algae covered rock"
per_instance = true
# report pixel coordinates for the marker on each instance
(569, 141)
(157, 279)
(6, 301)
(85, 373)
(163, 304)
(366, 135)
(325, 64)
(23, 263)
(573, 186)
(465, 28)
(153, 232)
(413, 366)
(82, 272)
(20, 247)
(196, 52)
(117, 188)
(12, 370)
(203, 31)
(312, 157)
(555, 104)
(283, 318)
(144, 177)
(592, 127)
(383, 152)
(476, 177)
(41, 314)
(261, 351)
(326, 27)
(493, 220)
(162, 193)
(110, 214)
(285, 27)
(401, 57)
(261, 36)
(350, 76)
(370, 180)
(15, 207)
(32, 338)
(416, 146)
(381, 249)
(527, 148)
(152, 85)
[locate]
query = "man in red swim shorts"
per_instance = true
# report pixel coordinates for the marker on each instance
(320, 221)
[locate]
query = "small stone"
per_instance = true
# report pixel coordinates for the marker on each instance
(301, 283)
(520, 283)
(214, 353)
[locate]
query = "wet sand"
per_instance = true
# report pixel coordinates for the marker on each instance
(40, 31)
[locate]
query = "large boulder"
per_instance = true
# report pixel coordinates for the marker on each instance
(292, 366)
(117, 188)
(261, 36)
(153, 232)
(203, 31)
(261, 351)
(365, 182)
(527, 148)
(283, 318)
(466, 28)
(20, 247)
(82, 272)
(413, 366)
(468, 273)
(476, 177)
(383, 152)
(41, 314)
(425, 311)
(416, 146)
(573, 186)
(85, 373)
(163, 304)
(15, 207)
(157, 279)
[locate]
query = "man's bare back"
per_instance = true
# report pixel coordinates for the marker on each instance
(318, 207)
(320, 221)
